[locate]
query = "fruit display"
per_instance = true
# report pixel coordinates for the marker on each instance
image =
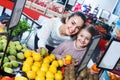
(113, 76)
(69, 72)
(38, 66)
(14, 55)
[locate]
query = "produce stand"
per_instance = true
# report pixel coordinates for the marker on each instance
(66, 70)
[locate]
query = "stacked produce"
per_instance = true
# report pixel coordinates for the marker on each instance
(14, 54)
(42, 67)
(85, 74)
(69, 73)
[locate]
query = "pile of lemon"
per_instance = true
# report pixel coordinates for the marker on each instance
(38, 67)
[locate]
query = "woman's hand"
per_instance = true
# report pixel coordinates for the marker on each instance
(43, 51)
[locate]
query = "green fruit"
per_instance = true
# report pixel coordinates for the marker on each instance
(1, 54)
(11, 57)
(12, 52)
(8, 70)
(5, 60)
(7, 64)
(3, 37)
(17, 42)
(14, 63)
(23, 46)
(18, 47)
(20, 55)
(43, 51)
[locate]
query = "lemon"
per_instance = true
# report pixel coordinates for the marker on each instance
(59, 71)
(58, 76)
(46, 60)
(31, 74)
(40, 73)
(36, 63)
(45, 69)
(53, 69)
(55, 63)
(21, 78)
(35, 68)
(52, 56)
(60, 62)
(49, 75)
(27, 63)
(26, 68)
(68, 57)
(49, 58)
(29, 59)
(37, 57)
(49, 79)
(27, 53)
(40, 78)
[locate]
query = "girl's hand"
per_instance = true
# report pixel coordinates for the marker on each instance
(76, 62)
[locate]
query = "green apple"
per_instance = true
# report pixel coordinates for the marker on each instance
(11, 57)
(14, 63)
(5, 60)
(7, 64)
(8, 70)
(20, 55)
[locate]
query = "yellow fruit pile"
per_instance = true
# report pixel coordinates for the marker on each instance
(38, 67)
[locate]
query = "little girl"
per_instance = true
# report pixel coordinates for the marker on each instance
(77, 47)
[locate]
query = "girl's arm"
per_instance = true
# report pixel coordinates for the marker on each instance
(58, 51)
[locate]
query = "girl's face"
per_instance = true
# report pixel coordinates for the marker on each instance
(73, 25)
(83, 39)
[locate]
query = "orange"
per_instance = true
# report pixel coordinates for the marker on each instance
(67, 62)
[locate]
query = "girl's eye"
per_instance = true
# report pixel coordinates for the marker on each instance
(78, 28)
(87, 39)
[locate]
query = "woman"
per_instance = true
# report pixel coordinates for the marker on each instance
(56, 30)
(77, 47)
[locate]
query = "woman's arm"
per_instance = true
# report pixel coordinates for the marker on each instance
(44, 32)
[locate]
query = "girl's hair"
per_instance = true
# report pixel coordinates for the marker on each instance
(90, 28)
(77, 13)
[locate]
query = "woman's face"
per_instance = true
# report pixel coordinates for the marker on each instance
(73, 25)
(83, 39)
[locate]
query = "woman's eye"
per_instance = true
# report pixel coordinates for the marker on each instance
(73, 23)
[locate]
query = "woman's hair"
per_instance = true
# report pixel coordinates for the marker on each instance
(77, 13)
